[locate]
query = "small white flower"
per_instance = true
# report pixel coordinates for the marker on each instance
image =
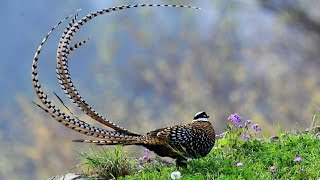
(175, 175)
(239, 164)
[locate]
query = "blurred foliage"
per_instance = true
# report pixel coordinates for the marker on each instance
(149, 68)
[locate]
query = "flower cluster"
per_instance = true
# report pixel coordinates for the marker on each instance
(238, 129)
(235, 118)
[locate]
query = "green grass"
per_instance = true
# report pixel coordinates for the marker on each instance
(107, 164)
(257, 158)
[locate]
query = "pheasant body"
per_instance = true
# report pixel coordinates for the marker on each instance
(179, 142)
(193, 140)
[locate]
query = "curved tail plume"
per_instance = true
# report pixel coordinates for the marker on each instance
(56, 113)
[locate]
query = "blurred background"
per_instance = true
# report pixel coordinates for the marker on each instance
(146, 68)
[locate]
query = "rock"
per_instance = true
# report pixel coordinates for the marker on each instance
(273, 139)
(313, 130)
(73, 176)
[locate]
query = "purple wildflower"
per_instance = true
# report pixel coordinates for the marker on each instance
(220, 135)
(147, 152)
(256, 127)
(247, 123)
(245, 137)
(240, 126)
(145, 157)
(272, 169)
(235, 118)
(239, 164)
(297, 159)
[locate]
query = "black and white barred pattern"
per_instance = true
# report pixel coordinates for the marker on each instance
(49, 107)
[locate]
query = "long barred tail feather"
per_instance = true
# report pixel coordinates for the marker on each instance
(110, 141)
(59, 115)
(62, 63)
(142, 140)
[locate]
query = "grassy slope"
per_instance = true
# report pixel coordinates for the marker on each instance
(257, 159)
